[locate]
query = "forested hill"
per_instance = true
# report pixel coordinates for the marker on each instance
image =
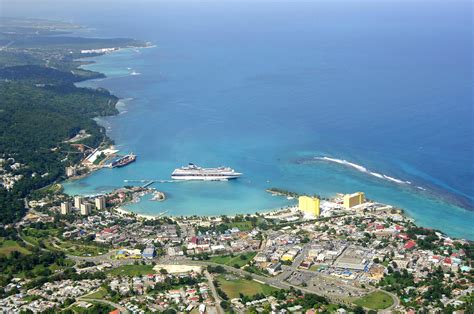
(37, 74)
(34, 119)
(41, 108)
(35, 122)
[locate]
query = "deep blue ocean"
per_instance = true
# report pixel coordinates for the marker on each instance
(266, 86)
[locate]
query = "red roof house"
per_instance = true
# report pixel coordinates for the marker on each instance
(409, 245)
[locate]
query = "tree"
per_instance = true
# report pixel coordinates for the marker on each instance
(225, 305)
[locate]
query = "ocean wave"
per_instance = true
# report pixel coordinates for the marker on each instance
(363, 169)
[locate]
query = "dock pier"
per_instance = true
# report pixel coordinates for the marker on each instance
(147, 183)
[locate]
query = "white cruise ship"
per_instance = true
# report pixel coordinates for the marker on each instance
(193, 172)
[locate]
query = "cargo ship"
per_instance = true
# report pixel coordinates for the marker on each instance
(193, 172)
(123, 161)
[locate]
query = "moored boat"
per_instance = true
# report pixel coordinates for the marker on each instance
(123, 161)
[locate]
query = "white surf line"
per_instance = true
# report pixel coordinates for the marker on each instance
(363, 170)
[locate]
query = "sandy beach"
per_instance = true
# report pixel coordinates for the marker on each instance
(125, 212)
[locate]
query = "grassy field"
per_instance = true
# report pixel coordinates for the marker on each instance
(377, 300)
(247, 287)
(239, 259)
(53, 188)
(30, 239)
(51, 242)
(8, 246)
(243, 226)
(99, 294)
(132, 270)
(76, 249)
(34, 235)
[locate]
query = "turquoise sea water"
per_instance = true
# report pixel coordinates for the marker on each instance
(264, 87)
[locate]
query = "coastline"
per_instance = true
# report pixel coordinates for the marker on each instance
(123, 211)
(434, 196)
(119, 105)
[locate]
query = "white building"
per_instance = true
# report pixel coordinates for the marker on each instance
(65, 208)
(202, 308)
(85, 209)
(70, 171)
(100, 203)
(78, 201)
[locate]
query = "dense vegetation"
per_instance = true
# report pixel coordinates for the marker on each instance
(35, 122)
(35, 265)
(37, 74)
(8, 58)
(41, 108)
(72, 43)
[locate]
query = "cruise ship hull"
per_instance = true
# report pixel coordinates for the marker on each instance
(196, 173)
(204, 178)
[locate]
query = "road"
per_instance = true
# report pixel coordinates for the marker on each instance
(278, 281)
(396, 302)
(214, 292)
(115, 305)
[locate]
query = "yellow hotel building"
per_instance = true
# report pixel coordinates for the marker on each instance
(351, 200)
(309, 205)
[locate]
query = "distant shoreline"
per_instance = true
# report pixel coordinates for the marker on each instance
(119, 100)
(432, 194)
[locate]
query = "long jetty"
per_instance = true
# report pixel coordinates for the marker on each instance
(147, 183)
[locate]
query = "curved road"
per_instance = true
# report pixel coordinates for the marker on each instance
(115, 305)
(396, 302)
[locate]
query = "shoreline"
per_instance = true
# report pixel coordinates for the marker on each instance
(428, 194)
(123, 211)
(120, 101)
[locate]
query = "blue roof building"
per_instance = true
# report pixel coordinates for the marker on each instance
(149, 252)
